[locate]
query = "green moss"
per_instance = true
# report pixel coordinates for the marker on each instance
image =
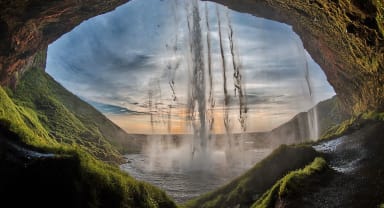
(19, 121)
(338, 130)
(100, 183)
(380, 15)
(54, 110)
(291, 181)
(290, 184)
(38, 120)
(250, 186)
(372, 115)
(351, 124)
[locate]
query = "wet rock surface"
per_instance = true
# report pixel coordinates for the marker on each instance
(356, 179)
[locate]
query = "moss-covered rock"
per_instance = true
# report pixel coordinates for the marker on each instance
(290, 184)
(249, 187)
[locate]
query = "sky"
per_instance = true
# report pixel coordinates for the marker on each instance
(128, 57)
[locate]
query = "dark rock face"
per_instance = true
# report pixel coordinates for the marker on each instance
(344, 37)
(28, 26)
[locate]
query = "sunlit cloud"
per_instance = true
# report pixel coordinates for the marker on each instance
(121, 57)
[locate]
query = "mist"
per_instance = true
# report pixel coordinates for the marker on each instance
(202, 82)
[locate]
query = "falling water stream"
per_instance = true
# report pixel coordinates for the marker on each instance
(198, 80)
(195, 164)
(188, 165)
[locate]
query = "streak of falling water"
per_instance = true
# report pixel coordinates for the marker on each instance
(150, 96)
(227, 125)
(198, 84)
(313, 124)
(307, 77)
(237, 76)
(211, 100)
(300, 48)
(200, 97)
(173, 66)
(312, 118)
(237, 147)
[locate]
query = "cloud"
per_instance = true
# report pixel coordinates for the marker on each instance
(117, 58)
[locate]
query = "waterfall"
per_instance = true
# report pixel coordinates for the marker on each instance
(237, 147)
(224, 70)
(312, 118)
(211, 100)
(200, 104)
(198, 84)
(313, 125)
(239, 89)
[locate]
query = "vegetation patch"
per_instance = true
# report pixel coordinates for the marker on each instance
(290, 184)
(85, 180)
(246, 189)
(380, 16)
(64, 117)
(352, 124)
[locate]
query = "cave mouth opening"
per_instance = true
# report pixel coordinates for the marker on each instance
(121, 60)
(137, 68)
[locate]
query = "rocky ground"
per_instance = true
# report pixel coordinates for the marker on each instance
(356, 175)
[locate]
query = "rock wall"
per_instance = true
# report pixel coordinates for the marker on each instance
(28, 26)
(345, 37)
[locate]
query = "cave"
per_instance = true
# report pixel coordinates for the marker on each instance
(347, 59)
(344, 37)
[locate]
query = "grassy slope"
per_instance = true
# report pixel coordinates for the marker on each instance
(354, 123)
(297, 130)
(246, 189)
(242, 190)
(330, 113)
(67, 118)
(37, 92)
(290, 184)
(91, 117)
(91, 182)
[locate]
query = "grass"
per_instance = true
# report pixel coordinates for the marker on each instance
(352, 124)
(100, 184)
(250, 186)
(64, 116)
(290, 184)
(24, 123)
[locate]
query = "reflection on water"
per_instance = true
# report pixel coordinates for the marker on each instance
(183, 184)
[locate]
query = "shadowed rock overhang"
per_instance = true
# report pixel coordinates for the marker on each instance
(345, 37)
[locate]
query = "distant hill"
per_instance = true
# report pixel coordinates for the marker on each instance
(300, 128)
